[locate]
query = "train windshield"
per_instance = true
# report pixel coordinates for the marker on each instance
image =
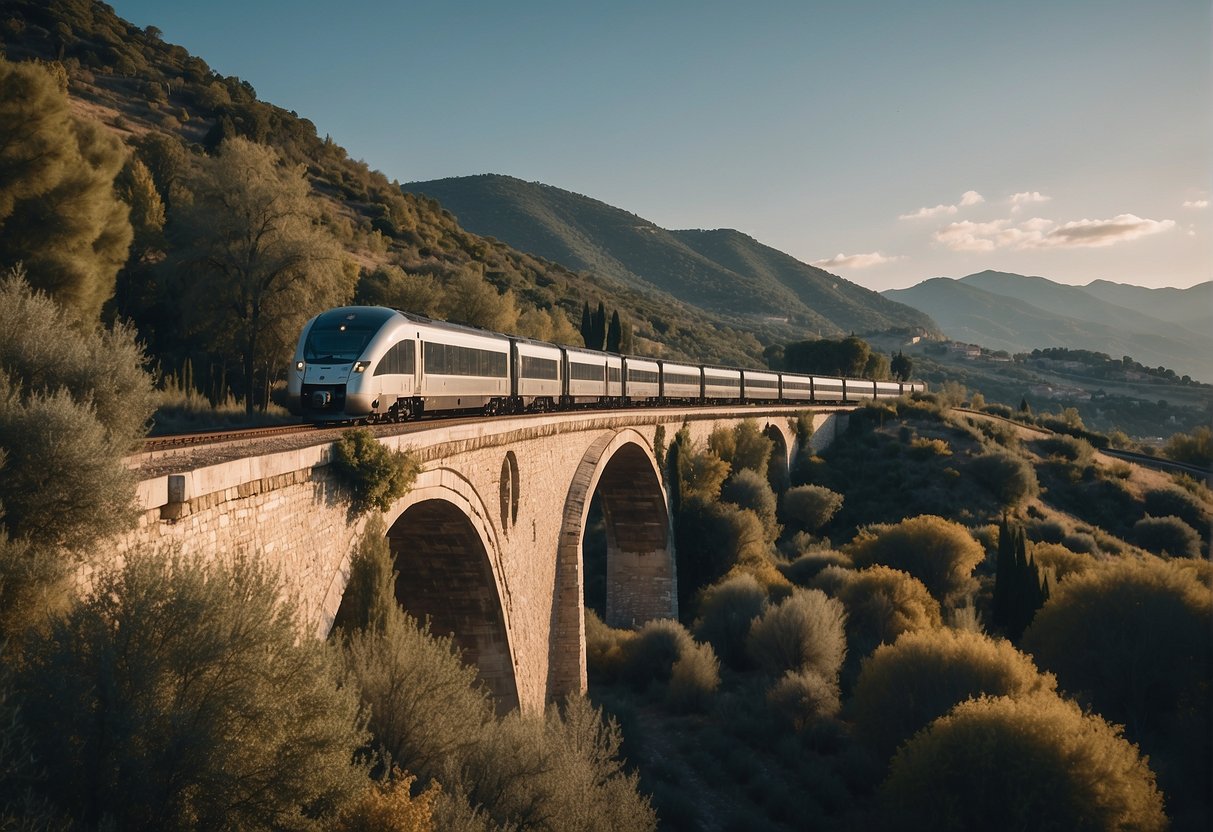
(339, 336)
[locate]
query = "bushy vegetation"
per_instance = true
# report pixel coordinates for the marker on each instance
(881, 603)
(940, 553)
(809, 507)
(375, 475)
(1007, 763)
(906, 685)
(803, 632)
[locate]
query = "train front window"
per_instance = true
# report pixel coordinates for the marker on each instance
(339, 336)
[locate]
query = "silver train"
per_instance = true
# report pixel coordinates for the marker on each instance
(369, 363)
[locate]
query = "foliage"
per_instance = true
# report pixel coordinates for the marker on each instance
(1060, 561)
(180, 695)
(1069, 448)
(423, 706)
(748, 489)
(1195, 448)
(940, 553)
(726, 611)
(663, 652)
(387, 805)
(1174, 501)
(905, 685)
(809, 507)
(807, 566)
(58, 211)
(1019, 588)
(881, 604)
(847, 357)
(711, 539)
(370, 591)
(902, 366)
(1007, 763)
(694, 677)
(255, 262)
(1011, 479)
(375, 475)
(1168, 536)
(804, 632)
(744, 446)
(1131, 639)
(802, 697)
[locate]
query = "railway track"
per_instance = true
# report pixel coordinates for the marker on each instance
(177, 441)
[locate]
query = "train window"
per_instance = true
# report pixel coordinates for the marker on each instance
(585, 372)
(453, 360)
(642, 375)
(614, 374)
(398, 360)
(533, 367)
(761, 382)
(681, 378)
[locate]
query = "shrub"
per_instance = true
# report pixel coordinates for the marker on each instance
(726, 612)
(603, 648)
(1167, 536)
(375, 475)
(1061, 561)
(881, 604)
(922, 448)
(1003, 763)
(181, 695)
(1130, 639)
(1174, 501)
(422, 703)
(805, 632)
(809, 507)
(747, 489)
(387, 805)
(650, 655)
(370, 592)
(711, 539)
(694, 677)
(744, 446)
(1195, 448)
(938, 552)
(1009, 478)
(905, 685)
(1069, 448)
(805, 568)
(804, 697)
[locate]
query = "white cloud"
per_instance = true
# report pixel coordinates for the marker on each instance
(854, 261)
(966, 199)
(1042, 233)
(1019, 200)
(1196, 203)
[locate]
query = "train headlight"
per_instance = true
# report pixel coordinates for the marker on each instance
(299, 366)
(360, 366)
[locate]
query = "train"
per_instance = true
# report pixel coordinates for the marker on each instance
(374, 364)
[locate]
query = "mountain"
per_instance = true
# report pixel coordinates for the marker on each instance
(723, 271)
(1018, 314)
(1191, 308)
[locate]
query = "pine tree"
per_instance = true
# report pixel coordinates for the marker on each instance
(614, 337)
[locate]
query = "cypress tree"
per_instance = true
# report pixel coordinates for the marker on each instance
(1019, 588)
(614, 336)
(599, 329)
(587, 325)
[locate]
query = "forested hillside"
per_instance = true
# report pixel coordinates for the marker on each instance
(723, 271)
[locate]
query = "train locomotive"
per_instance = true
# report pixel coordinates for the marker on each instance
(373, 364)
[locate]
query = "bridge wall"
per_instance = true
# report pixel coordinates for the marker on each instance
(523, 484)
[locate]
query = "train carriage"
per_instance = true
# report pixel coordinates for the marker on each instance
(537, 374)
(586, 376)
(828, 389)
(464, 368)
(796, 388)
(721, 384)
(759, 386)
(681, 383)
(887, 389)
(641, 380)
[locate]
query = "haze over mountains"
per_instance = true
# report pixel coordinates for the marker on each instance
(1168, 327)
(723, 271)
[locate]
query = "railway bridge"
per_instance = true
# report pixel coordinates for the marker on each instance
(488, 543)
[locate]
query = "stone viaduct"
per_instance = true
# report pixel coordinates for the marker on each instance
(488, 542)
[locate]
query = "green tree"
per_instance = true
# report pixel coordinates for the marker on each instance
(809, 507)
(1019, 588)
(745, 488)
(255, 260)
(587, 325)
(881, 604)
(598, 331)
(59, 215)
(806, 631)
(614, 337)
(180, 695)
(1009, 763)
(902, 366)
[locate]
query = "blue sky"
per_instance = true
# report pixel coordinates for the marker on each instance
(886, 142)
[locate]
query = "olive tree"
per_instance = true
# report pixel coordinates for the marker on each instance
(255, 260)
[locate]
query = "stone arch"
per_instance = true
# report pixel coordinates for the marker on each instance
(449, 567)
(779, 468)
(641, 577)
